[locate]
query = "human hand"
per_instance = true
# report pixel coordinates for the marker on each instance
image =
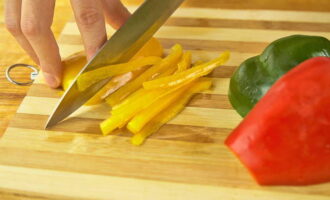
(29, 21)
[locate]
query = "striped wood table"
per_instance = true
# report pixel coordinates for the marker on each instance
(186, 159)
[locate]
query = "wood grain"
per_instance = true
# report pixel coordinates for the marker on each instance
(12, 95)
(185, 159)
(128, 188)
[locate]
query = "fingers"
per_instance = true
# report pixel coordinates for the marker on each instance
(29, 22)
(90, 20)
(37, 16)
(115, 12)
(13, 24)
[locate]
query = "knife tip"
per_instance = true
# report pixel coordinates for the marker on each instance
(50, 122)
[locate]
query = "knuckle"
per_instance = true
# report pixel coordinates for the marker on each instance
(88, 17)
(13, 27)
(30, 28)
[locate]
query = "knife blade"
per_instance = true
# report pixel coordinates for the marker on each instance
(126, 41)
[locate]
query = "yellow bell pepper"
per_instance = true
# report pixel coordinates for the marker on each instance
(152, 48)
(121, 115)
(89, 78)
(110, 124)
(143, 98)
(71, 67)
(131, 98)
(185, 62)
(97, 98)
(140, 92)
(114, 84)
(187, 75)
(149, 74)
(198, 62)
(168, 72)
(143, 117)
(170, 112)
(132, 105)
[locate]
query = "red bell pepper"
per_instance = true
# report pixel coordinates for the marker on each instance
(285, 139)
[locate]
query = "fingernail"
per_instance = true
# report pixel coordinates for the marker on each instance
(51, 80)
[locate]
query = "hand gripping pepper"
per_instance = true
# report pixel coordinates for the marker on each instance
(256, 75)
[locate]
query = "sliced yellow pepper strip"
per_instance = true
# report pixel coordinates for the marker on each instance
(120, 116)
(169, 112)
(134, 104)
(143, 98)
(168, 72)
(110, 124)
(187, 75)
(114, 84)
(143, 117)
(185, 62)
(149, 74)
(151, 48)
(87, 79)
(198, 62)
(97, 98)
(131, 98)
(140, 92)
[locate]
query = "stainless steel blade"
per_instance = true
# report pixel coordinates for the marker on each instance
(138, 29)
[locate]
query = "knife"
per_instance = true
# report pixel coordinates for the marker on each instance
(123, 45)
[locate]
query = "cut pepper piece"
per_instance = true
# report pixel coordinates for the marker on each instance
(131, 98)
(141, 91)
(110, 124)
(114, 84)
(149, 74)
(198, 62)
(71, 67)
(152, 48)
(170, 112)
(143, 117)
(143, 98)
(187, 75)
(121, 115)
(89, 78)
(168, 72)
(185, 62)
(97, 98)
(134, 104)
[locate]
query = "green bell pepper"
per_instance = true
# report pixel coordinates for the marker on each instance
(256, 75)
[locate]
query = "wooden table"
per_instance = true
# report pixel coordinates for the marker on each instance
(11, 96)
(10, 53)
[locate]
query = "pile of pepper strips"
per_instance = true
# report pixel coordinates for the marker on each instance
(159, 91)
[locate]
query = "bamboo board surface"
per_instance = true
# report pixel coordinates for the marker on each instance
(186, 159)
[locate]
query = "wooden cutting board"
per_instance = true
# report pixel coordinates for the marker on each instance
(186, 159)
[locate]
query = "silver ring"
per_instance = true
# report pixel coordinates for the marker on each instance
(32, 75)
